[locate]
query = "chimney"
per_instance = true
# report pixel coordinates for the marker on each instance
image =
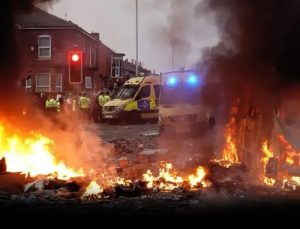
(126, 60)
(132, 61)
(96, 35)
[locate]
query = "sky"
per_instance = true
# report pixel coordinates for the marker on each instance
(163, 24)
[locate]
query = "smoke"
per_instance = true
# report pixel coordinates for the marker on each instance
(257, 57)
(184, 32)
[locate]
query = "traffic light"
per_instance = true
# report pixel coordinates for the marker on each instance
(75, 67)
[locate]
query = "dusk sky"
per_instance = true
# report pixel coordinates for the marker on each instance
(160, 22)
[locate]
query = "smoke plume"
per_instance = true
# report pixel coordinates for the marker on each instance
(183, 32)
(258, 55)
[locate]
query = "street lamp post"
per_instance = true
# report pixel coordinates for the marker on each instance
(137, 38)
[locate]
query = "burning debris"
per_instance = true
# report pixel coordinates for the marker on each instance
(31, 154)
(93, 191)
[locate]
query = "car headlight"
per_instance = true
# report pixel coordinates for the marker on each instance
(120, 108)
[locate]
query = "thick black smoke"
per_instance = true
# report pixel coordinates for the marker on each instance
(258, 56)
(11, 52)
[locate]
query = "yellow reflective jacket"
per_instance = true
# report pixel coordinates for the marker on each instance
(84, 102)
(52, 103)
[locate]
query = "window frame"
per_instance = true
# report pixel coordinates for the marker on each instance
(155, 86)
(44, 47)
(43, 86)
(85, 82)
(117, 67)
(60, 87)
(28, 87)
(140, 91)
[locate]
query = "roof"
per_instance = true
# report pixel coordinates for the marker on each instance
(131, 67)
(40, 18)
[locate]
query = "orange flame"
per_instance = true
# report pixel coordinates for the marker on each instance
(168, 179)
(289, 155)
(229, 153)
(267, 155)
(194, 180)
(31, 154)
(93, 191)
(269, 181)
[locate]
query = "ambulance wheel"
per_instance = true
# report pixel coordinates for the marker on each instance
(133, 117)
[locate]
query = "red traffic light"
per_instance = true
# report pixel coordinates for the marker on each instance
(75, 57)
(75, 67)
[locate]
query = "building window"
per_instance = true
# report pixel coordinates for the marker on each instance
(42, 82)
(28, 84)
(117, 65)
(88, 82)
(44, 46)
(58, 82)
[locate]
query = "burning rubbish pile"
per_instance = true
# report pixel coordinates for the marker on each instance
(30, 157)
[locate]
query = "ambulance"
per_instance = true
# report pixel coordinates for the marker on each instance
(180, 108)
(135, 101)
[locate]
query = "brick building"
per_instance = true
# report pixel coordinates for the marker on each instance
(46, 41)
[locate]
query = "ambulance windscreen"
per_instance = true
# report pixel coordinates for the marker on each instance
(127, 91)
(181, 94)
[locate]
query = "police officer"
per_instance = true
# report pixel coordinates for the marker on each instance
(106, 97)
(52, 105)
(101, 102)
(84, 104)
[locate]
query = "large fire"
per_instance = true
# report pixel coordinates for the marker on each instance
(230, 152)
(31, 154)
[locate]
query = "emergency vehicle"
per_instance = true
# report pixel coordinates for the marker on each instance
(180, 108)
(135, 101)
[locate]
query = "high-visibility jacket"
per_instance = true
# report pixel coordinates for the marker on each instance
(84, 102)
(52, 103)
(107, 98)
(103, 99)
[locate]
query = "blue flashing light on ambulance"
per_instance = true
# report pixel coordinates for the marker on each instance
(180, 107)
